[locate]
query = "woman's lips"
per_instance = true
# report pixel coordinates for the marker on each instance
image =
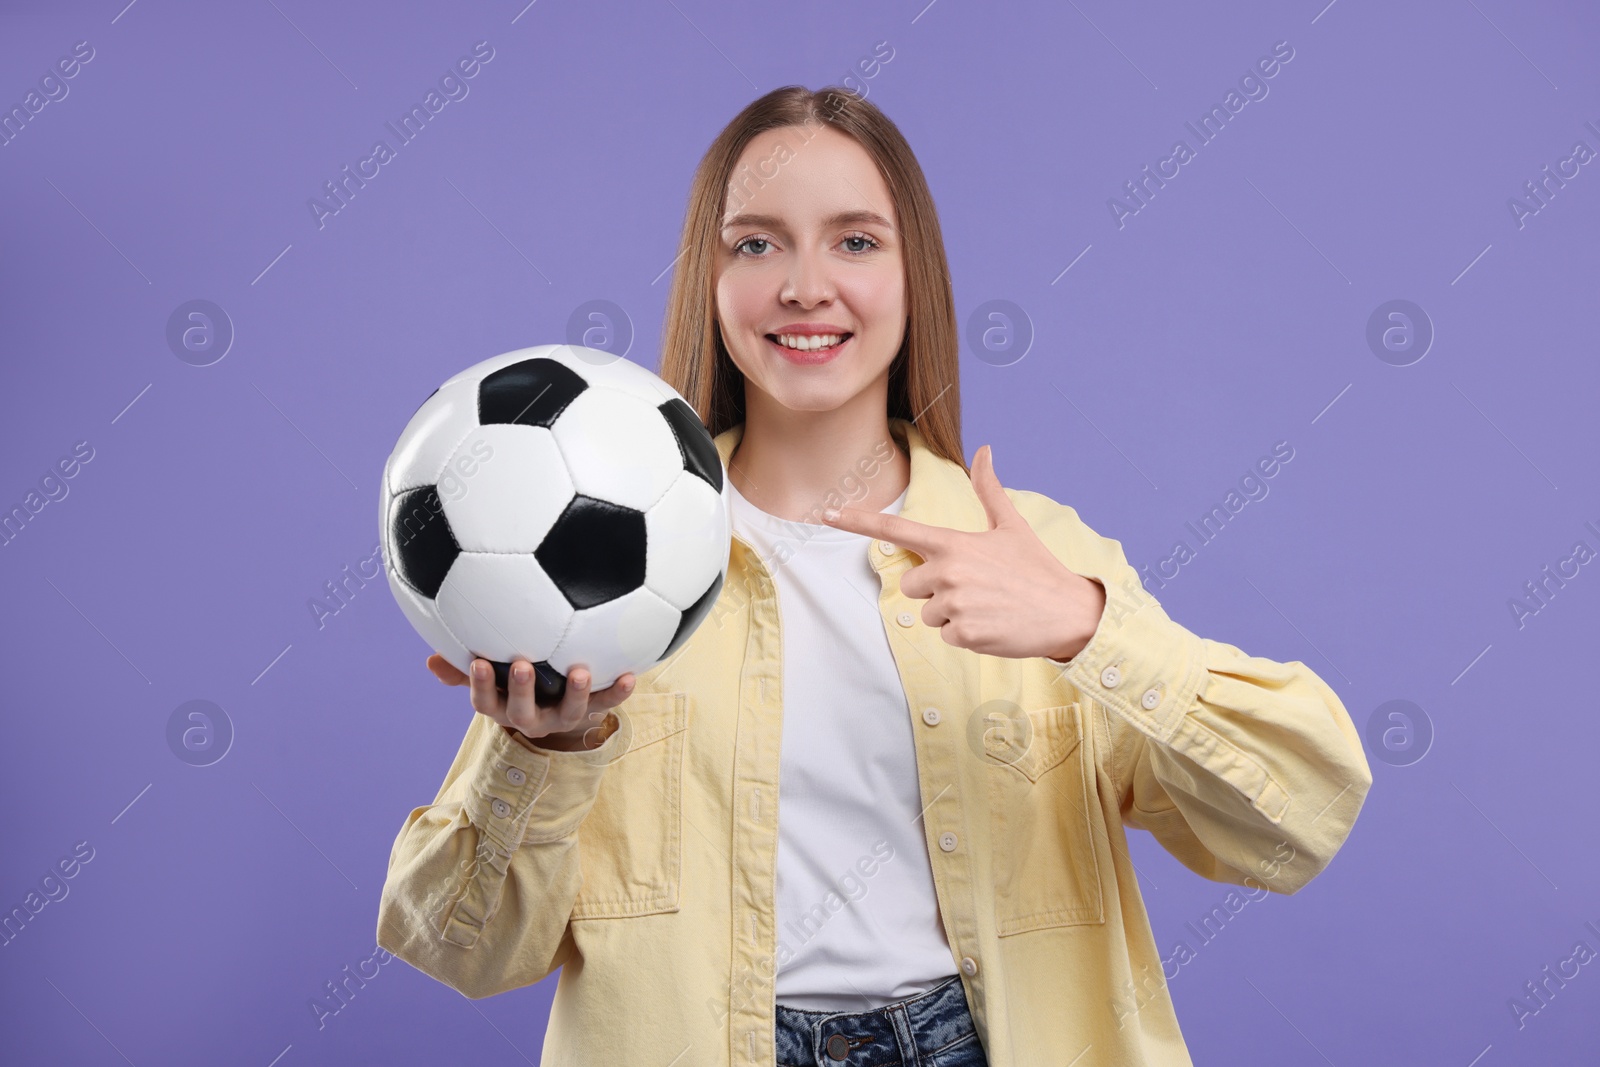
(809, 357)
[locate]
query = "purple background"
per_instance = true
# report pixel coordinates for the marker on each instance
(1229, 314)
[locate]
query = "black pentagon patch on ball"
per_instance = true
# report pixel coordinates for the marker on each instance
(690, 620)
(595, 551)
(424, 545)
(533, 392)
(694, 441)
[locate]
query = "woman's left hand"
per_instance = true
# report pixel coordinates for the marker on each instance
(999, 592)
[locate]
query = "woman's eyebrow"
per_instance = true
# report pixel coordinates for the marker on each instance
(843, 218)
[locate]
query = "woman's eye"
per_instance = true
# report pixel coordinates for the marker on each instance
(759, 246)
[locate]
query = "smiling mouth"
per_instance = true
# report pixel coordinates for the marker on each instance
(806, 345)
(791, 351)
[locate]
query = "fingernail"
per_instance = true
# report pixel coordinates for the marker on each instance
(581, 681)
(480, 669)
(830, 514)
(520, 671)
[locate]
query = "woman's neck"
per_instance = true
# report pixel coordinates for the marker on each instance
(792, 464)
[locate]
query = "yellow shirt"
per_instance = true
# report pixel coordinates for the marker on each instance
(651, 882)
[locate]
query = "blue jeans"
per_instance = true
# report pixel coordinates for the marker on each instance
(931, 1029)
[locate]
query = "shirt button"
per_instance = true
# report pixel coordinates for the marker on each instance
(947, 841)
(904, 618)
(1150, 699)
(515, 775)
(930, 716)
(500, 808)
(969, 966)
(886, 547)
(1110, 677)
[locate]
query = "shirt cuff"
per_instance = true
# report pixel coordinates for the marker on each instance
(1139, 663)
(520, 794)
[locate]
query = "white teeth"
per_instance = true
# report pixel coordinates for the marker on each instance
(806, 343)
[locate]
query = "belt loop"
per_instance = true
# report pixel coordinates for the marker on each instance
(909, 1056)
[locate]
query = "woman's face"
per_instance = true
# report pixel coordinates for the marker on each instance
(810, 256)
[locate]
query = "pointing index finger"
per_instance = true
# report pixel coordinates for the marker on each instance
(919, 537)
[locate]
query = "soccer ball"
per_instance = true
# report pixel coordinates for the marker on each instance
(559, 504)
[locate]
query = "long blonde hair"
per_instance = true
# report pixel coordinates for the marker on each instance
(924, 378)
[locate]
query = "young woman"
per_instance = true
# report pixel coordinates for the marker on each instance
(873, 811)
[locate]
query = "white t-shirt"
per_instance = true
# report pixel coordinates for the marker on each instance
(857, 917)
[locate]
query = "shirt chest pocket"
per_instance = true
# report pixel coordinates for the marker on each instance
(1045, 820)
(630, 842)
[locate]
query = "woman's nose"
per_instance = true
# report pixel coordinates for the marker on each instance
(809, 282)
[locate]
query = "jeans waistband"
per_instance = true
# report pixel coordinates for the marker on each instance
(905, 1031)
